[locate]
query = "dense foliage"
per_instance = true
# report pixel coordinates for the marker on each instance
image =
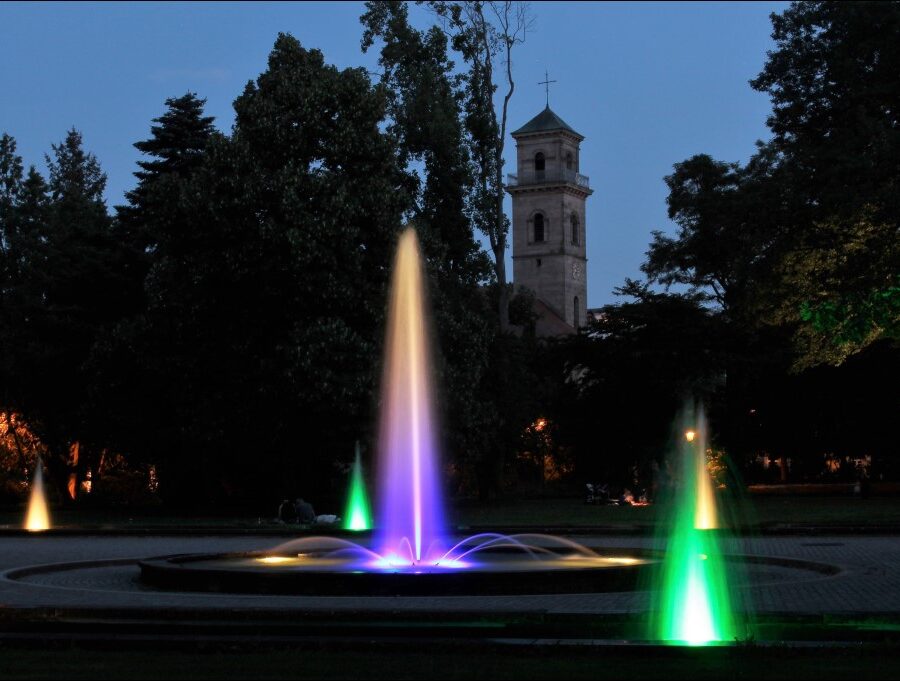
(217, 333)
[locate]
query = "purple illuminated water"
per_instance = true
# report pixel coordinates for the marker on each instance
(480, 552)
(410, 522)
(410, 535)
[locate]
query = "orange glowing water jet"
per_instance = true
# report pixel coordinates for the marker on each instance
(38, 517)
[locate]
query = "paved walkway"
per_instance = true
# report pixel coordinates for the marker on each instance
(868, 581)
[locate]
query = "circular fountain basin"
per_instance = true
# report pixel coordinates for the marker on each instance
(494, 570)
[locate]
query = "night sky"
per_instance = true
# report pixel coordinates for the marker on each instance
(647, 84)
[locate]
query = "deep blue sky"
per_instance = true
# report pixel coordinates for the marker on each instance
(648, 84)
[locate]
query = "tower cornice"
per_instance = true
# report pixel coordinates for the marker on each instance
(574, 136)
(548, 187)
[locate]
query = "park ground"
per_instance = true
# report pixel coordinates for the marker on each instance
(871, 650)
(766, 512)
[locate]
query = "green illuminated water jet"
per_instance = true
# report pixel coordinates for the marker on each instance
(358, 516)
(694, 604)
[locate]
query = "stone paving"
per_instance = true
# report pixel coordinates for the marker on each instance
(868, 580)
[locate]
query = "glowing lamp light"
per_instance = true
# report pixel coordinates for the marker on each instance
(689, 435)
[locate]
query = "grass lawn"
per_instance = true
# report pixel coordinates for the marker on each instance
(765, 511)
(441, 660)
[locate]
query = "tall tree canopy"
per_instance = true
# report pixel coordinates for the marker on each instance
(807, 234)
(72, 280)
(727, 217)
(797, 252)
(629, 376)
(173, 153)
(426, 117)
(832, 78)
(484, 35)
(266, 295)
(835, 93)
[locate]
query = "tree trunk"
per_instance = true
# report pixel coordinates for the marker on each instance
(58, 470)
(503, 292)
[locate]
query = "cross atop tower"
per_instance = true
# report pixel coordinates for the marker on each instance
(546, 83)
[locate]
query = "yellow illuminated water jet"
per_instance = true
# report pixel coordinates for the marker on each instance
(705, 516)
(38, 517)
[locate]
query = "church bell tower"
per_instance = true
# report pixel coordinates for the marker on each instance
(548, 222)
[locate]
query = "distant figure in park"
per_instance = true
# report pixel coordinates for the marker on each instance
(304, 512)
(287, 512)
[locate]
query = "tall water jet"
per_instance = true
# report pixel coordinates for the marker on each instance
(357, 517)
(694, 603)
(410, 503)
(37, 519)
(410, 554)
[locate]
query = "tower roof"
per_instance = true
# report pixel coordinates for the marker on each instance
(545, 121)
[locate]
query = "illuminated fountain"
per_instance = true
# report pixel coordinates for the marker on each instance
(358, 517)
(694, 602)
(37, 519)
(410, 506)
(412, 552)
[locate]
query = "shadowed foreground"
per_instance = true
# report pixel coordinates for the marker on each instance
(452, 662)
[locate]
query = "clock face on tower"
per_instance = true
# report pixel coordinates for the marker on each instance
(576, 271)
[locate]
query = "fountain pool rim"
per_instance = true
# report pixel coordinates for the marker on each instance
(493, 575)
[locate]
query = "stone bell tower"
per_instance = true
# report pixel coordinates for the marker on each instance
(548, 222)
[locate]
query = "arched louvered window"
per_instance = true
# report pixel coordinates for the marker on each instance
(538, 227)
